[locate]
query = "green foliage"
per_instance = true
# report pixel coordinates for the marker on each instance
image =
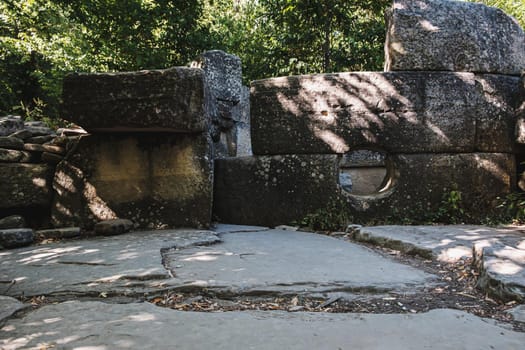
(334, 217)
(513, 208)
(451, 209)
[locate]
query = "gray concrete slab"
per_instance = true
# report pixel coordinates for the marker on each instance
(101, 326)
(290, 262)
(126, 265)
(499, 253)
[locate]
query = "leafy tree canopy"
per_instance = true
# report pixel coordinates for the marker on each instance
(42, 40)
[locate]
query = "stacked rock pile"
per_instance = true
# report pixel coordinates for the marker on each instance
(29, 142)
(29, 151)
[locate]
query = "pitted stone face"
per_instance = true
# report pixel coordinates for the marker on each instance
(400, 112)
(170, 100)
(437, 35)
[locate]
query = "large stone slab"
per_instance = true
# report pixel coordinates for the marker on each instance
(273, 190)
(9, 306)
(155, 180)
(94, 325)
(400, 112)
(288, 188)
(170, 100)
(498, 252)
(25, 185)
(282, 262)
(129, 264)
(453, 36)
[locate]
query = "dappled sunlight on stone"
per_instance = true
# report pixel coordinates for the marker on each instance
(454, 254)
(504, 267)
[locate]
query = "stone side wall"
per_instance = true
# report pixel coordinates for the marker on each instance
(148, 158)
(444, 114)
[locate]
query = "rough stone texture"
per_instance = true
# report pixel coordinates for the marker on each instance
(12, 221)
(95, 324)
(502, 269)
(113, 227)
(51, 158)
(10, 124)
(520, 112)
(499, 253)
(11, 142)
(518, 313)
(400, 112)
(16, 237)
(244, 138)
(155, 100)
(129, 264)
(437, 35)
(22, 134)
(272, 190)
(282, 262)
(59, 233)
(227, 100)
(287, 188)
(155, 180)
(10, 155)
(25, 185)
(9, 306)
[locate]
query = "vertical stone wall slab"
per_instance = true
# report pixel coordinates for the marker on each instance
(156, 180)
(273, 190)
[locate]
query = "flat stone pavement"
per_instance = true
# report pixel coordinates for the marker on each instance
(498, 252)
(89, 277)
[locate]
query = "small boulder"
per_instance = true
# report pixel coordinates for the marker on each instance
(40, 139)
(59, 233)
(113, 227)
(10, 124)
(16, 237)
(10, 142)
(22, 134)
(13, 221)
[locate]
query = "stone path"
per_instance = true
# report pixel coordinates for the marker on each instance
(100, 286)
(498, 252)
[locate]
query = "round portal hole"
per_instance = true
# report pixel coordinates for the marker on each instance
(364, 172)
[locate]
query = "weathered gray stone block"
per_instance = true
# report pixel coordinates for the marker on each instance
(227, 101)
(157, 181)
(25, 185)
(401, 112)
(11, 142)
(12, 221)
(10, 124)
(59, 233)
(287, 188)
(170, 100)
(437, 35)
(273, 190)
(16, 237)
(113, 227)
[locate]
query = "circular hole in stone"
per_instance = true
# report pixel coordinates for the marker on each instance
(364, 172)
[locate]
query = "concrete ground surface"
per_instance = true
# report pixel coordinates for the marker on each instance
(99, 287)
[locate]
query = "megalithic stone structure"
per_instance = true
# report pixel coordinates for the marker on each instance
(148, 157)
(442, 117)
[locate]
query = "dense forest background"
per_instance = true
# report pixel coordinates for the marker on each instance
(42, 40)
